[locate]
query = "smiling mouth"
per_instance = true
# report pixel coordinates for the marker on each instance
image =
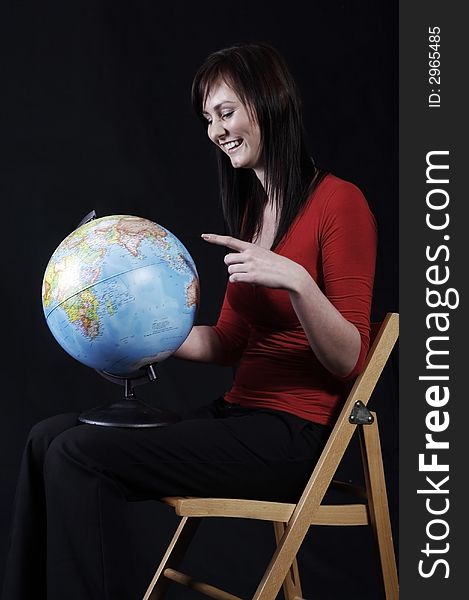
(231, 146)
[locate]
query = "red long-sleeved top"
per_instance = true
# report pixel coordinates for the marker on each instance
(334, 239)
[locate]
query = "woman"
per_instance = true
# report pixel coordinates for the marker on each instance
(295, 322)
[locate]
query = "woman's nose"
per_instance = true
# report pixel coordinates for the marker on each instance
(217, 130)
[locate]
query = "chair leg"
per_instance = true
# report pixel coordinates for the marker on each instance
(378, 506)
(291, 583)
(173, 556)
(283, 557)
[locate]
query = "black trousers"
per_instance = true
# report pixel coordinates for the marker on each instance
(67, 537)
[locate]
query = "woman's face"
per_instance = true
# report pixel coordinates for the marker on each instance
(231, 127)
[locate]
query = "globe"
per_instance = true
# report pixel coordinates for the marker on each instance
(120, 293)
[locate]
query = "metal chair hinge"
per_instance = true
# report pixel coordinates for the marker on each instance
(360, 415)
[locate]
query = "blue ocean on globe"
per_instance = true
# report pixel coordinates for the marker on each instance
(119, 293)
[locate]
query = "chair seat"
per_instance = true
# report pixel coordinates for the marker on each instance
(332, 514)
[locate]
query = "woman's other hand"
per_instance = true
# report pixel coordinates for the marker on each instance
(253, 264)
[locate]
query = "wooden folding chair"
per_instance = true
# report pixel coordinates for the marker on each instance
(292, 521)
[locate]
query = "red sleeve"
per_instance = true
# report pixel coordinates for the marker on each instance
(349, 243)
(233, 333)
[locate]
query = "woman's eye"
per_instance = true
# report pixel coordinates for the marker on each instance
(227, 114)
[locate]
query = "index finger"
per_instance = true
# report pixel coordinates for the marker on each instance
(226, 240)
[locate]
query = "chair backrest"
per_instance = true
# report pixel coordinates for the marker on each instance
(333, 451)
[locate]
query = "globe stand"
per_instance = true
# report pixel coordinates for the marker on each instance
(129, 411)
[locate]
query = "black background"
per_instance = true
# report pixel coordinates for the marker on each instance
(95, 114)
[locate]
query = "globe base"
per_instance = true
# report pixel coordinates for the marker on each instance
(128, 412)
